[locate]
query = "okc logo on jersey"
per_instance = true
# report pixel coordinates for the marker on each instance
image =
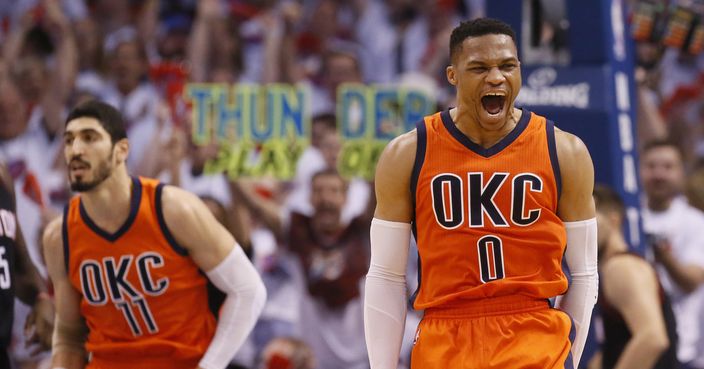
(448, 197)
(108, 278)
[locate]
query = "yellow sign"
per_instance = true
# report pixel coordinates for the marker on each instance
(263, 129)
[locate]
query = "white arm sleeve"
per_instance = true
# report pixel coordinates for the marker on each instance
(578, 302)
(385, 293)
(246, 296)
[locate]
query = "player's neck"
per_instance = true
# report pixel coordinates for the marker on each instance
(468, 123)
(108, 205)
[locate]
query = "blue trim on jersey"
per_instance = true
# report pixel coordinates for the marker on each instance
(566, 269)
(412, 299)
(421, 145)
(478, 149)
(552, 148)
(64, 236)
(162, 223)
(569, 362)
(135, 200)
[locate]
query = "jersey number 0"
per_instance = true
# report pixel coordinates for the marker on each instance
(491, 258)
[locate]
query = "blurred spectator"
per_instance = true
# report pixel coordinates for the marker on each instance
(679, 251)
(287, 353)
(393, 37)
(260, 26)
(41, 188)
(638, 322)
(333, 256)
(89, 42)
(112, 15)
(678, 68)
(311, 161)
(173, 34)
(650, 122)
(338, 67)
(215, 47)
(129, 90)
(13, 117)
(327, 25)
(324, 156)
(25, 151)
(441, 17)
(695, 188)
(43, 32)
(326, 246)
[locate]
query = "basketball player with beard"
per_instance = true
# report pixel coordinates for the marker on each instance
(130, 259)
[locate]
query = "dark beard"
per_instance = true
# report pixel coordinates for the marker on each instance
(103, 172)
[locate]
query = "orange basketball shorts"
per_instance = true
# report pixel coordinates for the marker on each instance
(494, 333)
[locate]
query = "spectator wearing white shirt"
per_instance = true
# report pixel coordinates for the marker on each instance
(679, 249)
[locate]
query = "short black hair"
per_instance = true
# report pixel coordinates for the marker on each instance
(332, 172)
(327, 119)
(337, 53)
(108, 117)
(475, 28)
(607, 199)
(662, 142)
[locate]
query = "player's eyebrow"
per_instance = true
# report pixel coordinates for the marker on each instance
(80, 131)
(484, 62)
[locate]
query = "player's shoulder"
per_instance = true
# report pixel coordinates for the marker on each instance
(177, 202)
(622, 273)
(52, 236)
(398, 156)
(625, 271)
(572, 155)
(626, 263)
(568, 143)
(403, 147)
(53, 244)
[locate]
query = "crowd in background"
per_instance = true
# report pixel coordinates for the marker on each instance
(307, 236)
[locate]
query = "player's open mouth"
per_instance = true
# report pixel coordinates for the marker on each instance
(493, 102)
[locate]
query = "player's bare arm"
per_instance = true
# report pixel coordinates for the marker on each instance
(632, 289)
(577, 172)
(393, 179)
(576, 209)
(385, 288)
(69, 328)
(30, 287)
(214, 250)
(195, 228)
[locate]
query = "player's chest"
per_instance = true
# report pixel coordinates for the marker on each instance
(479, 198)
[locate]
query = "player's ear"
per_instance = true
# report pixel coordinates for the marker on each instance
(122, 149)
(450, 71)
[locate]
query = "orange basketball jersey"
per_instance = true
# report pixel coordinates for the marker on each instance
(485, 219)
(143, 298)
